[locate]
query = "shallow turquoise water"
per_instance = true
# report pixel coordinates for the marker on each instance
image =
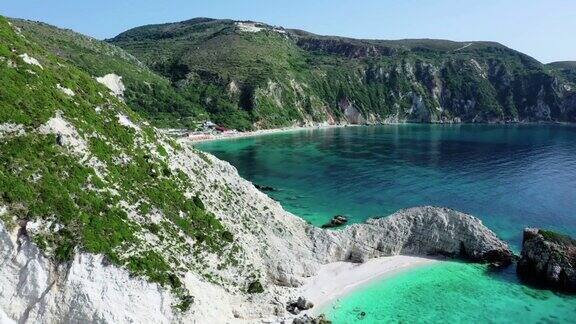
(453, 293)
(509, 176)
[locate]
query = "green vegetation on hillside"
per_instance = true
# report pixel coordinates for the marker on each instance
(213, 69)
(557, 238)
(151, 95)
(566, 68)
(276, 77)
(87, 181)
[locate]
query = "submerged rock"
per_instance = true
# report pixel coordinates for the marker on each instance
(265, 188)
(548, 258)
(306, 319)
(336, 221)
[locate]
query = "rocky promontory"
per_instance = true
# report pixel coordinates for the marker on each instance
(423, 231)
(548, 258)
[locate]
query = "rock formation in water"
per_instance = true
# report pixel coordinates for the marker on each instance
(548, 258)
(431, 231)
(336, 221)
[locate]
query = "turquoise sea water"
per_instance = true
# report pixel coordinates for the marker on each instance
(509, 176)
(453, 293)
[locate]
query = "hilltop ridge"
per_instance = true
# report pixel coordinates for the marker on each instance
(249, 75)
(254, 75)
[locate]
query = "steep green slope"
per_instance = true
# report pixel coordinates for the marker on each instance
(565, 68)
(148, 93)
(79, 171)
(267, 76)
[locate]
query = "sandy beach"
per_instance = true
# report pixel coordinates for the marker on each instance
(214, 137)
(337, 279)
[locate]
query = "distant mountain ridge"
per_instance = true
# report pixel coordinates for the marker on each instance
(247, 75)
(270, 76)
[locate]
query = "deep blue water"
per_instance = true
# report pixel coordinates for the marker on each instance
(509, 176)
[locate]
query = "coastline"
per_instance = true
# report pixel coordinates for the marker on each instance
(217, 137)
(260, 132)
(335, 280)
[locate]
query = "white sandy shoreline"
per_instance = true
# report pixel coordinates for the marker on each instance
(338, 279)
(260, 132)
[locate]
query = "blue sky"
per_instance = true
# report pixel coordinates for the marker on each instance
(544, 29)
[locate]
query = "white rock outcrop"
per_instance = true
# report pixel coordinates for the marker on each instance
(30, 60)
(67, 135)
(11, 129)
(114, 83)
(66, 91)
(249, 27)
(4, 319)
(126, 122)
(416, 231)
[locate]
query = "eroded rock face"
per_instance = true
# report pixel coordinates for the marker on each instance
(548, 258)
(35, 290)
(416, 231)
(114, 83)
(89, 290)
(352, 114)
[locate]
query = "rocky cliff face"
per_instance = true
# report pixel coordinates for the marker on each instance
(34, 289)
(548, 258)
(88, 288)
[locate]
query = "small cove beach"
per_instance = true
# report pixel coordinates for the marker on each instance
(338, 279)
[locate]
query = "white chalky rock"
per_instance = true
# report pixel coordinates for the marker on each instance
(114, 83)
(30, 60)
